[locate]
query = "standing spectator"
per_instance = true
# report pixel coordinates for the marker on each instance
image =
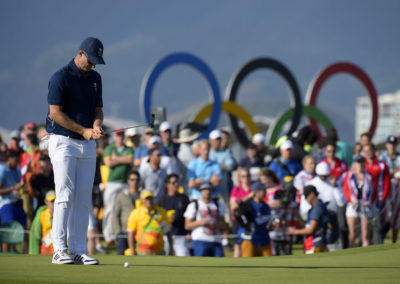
(303, 178)
(284, 165)
(329, 193)
(338, 167)
(40, 241)
(118, 158)
(125, 202)
(357, 188)
(147, 225)
(186, 139)
(240, 193)
(258, 139)
(252, 161)
(365, 138)
(356, 150)
(175, 204)
(380, 174)
(315, 230)
(132, 138)
(258, 242)
(202, 169)
(142, 150)
(166, 137)
(44, 181)
(226, 162)
(205, 218)
(153, 176)
(391, 157)
(10, 200)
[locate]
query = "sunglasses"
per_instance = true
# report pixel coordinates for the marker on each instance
(173, 182)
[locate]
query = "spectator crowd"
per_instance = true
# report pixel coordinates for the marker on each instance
(166, 194)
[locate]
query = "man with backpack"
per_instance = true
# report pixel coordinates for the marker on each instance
(205, 218)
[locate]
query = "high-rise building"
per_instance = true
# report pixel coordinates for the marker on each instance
(389, 116)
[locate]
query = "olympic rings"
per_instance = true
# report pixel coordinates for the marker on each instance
(193, 61)
(309, 111)
(236, 111)
(230, 108)
(240, 75)
(339, 67)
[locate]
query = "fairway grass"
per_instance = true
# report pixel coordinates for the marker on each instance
(375, 264)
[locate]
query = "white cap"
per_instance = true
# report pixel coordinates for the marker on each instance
(323, 169)
(164, 126)
(258, 138)
(215, 134)
(132, 132)
(155, 139)
(287, 144)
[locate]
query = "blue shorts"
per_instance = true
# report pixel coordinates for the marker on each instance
(12, 212)
(201, 248)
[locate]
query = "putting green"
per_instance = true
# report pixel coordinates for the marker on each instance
(375, 264)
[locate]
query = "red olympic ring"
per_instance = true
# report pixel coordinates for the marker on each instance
(342, 67)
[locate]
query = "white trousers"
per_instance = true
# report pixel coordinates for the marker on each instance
(110, 194)
(180, 245)
(74, 163)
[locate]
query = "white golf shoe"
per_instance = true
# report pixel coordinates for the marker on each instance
(61, 257)
(84, 259)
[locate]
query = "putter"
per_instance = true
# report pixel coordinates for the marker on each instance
(153, 117)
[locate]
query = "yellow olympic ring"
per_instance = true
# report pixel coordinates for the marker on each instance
(232, 108)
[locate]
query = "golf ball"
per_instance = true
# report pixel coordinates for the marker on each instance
(126, 264)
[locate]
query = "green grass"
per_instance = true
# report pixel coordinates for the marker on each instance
(375, 264)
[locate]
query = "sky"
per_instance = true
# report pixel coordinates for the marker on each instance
(39, 37)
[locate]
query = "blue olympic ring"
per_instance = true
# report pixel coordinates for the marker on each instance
(193, 61)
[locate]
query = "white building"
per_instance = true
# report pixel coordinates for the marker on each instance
(389, 116)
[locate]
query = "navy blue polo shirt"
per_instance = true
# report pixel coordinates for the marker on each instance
(78, 95)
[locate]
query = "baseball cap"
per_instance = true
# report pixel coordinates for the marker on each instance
(391, 139)
(149, 130)
(257, 186)
(323, 169)
(287, 144)
(50, 196)
(93, 47)
(206, 185)
(119, 131)
(215, 134)
(132, 132)
(165, 125)
(146, 193)
(155, 139)
(30, 125)
(258, 138)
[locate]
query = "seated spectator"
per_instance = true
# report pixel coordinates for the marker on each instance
(175, 204)
(240, 193)
(40, 241)
(147, 225)
(125, 202)
(284, 165)
(357, 188)
(153, 176)
(205, 218)
(203, 169)
(10, 198)
(257, 241)
(315, 230)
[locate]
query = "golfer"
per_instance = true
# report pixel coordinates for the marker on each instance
(74, 122)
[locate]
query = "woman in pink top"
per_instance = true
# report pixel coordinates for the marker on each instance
(241, 192)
